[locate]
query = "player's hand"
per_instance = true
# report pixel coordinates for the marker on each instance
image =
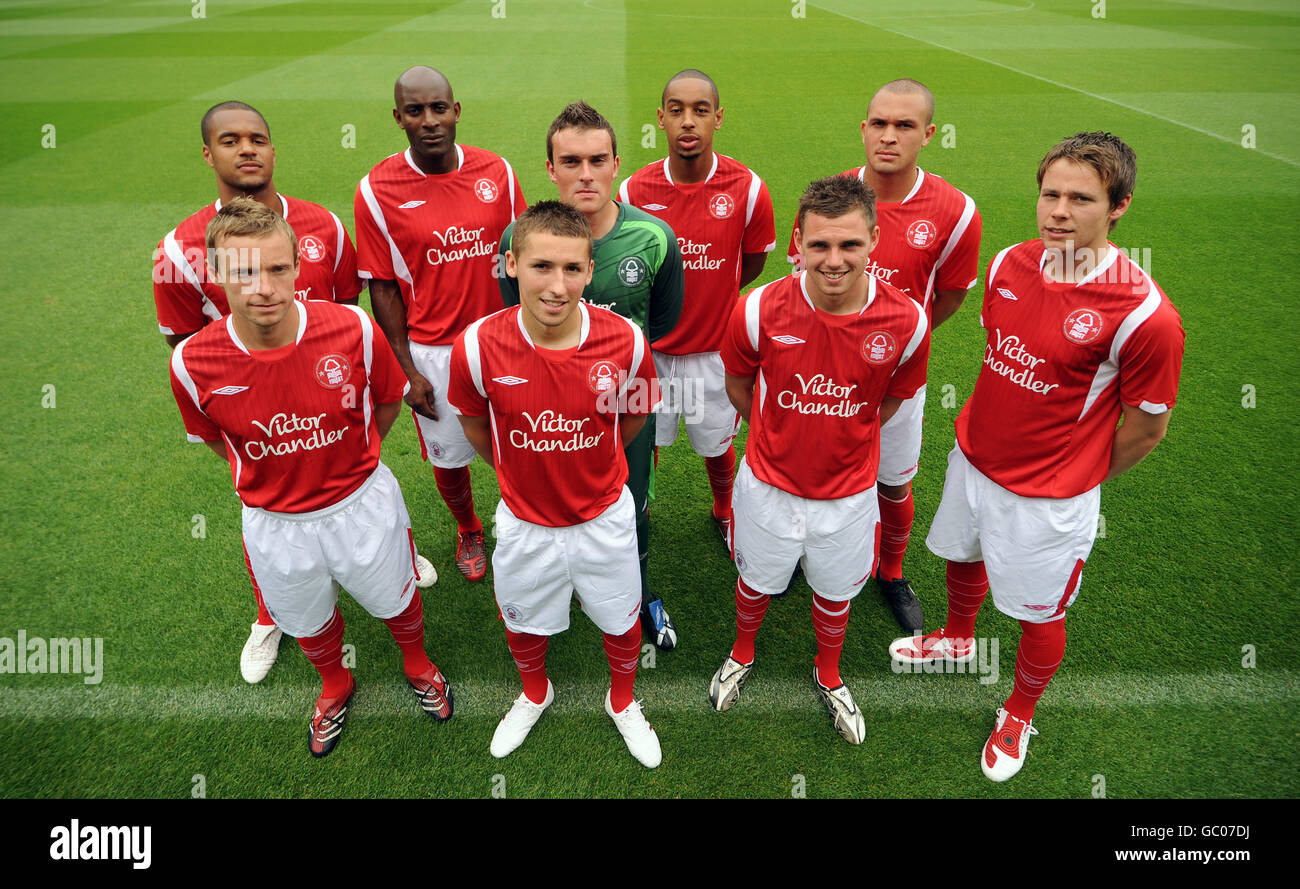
(420, 397)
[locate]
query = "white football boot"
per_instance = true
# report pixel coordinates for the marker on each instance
(844, 710)
(933, 647)
(1004, 754)
(640, 737)
(724, 688)
(426, 574)
(518, 722)
(260, 652)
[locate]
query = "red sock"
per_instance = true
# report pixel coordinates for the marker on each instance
(622, 652)
(967, 587)
(454, 486)
(408, 632)
(750, 608)
(895, 528)
(656, 456)
(721, 469)
(830, 620)
(529, 652)
(325, 651)
(1042, 646)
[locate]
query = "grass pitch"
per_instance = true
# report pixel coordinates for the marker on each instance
(103, 498)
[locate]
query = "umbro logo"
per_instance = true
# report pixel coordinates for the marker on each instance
(1007, 294)
(229, 390)
(653, 207)
(788, 340)
(409, 205)
(509, 381)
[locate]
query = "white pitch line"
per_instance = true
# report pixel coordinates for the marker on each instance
(1228, 139)
(384, 697)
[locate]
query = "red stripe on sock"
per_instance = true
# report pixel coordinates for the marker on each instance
(325, 651)
(1042, 648)
(454, 486)
(896, 518)
(751, 606)
(830, 621)
(968, 584)
(622, 652)
(408, 632)
(529, 652)
(722, 472)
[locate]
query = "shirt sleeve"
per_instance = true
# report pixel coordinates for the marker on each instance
(739, 357)
(520, 205)
(347, 284)
(760, 233)
(462, 393)
(374, 257)
(960, 270)
(668, 291)
(198, 425)
(1151, 361)
(508, 286)
(176, 296)
(909, 373)
(388, 382)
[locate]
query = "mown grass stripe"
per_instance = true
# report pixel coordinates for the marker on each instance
(378, 698)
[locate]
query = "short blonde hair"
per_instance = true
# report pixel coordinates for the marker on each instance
(245, 217)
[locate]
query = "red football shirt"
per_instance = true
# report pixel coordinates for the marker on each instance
(298, 421)
(716, 221)
(554, 413)
(436, 236)
(1059, 360)
(187, 299)
(930, 240)
(814, 429)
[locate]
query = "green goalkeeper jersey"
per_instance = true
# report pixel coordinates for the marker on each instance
(638, 272)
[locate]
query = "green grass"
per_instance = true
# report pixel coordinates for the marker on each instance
(100, 492)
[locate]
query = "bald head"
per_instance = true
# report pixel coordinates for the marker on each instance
(420, 79)
(689, 74)
(908, 87)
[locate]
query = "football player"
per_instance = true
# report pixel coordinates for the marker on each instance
(1079, 338)
(548, 391)
(273, 389)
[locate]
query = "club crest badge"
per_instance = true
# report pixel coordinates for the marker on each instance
(486, 191)
(603, 377)
(311, 248)
(921, 234)
(879, 347)
(1082, 326)
(633, 271)
(333, 370)
(721, 205)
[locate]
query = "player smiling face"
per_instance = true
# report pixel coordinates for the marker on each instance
(257, 273)
(428, 112)
(552, 270)
(689, 116)
(1074, 209)
(835, 252)
(584, 168)
(896, 129)
(239, 149)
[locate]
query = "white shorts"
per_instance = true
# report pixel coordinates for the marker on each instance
(442, 443)
(1033, 548)
(537, 568)
(363, 542)
(836, 541)
(900, 442)
(695, 387)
